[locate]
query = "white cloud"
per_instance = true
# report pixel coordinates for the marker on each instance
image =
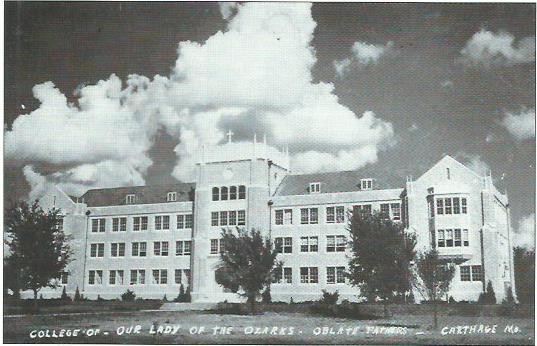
(342, 66)
(473, 162)
(255, 76)
(524, 235)
(227, 9)
(522, 125)
(486, 49)
(367, 53)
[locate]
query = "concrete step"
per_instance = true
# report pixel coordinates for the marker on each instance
(187, 306)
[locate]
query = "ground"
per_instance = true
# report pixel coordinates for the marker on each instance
(414, 329)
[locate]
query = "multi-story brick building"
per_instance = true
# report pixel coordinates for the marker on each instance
(151, 239)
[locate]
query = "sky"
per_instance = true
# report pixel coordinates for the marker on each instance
(102, 94)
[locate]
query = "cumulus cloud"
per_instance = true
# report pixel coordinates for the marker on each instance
(524, 235)
(362, 54)
(342, 66)
(254, 74)
(473, 162)
(486, 49)
(522, 125)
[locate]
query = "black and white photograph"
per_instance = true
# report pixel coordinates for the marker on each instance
(269, 173)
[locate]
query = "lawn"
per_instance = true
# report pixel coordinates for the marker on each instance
(286, 328)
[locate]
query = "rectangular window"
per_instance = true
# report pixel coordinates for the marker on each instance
(315, 187)
(137, 277)
(99, 277)
(223, 218)
(340, 214)
(309, 244)
(115, 277)
(441, 238)
(189, 221)
(160, 276)
(223, 193)
(396, 211)
(288, 217)
(139, 223)
(97, 250)
(330, 214)
(117, 249)
(160, 248)
(180, 221)
(330, 243)
(458, 237)
(309, 216)
(166, 222)
(162, 222)
(340, 275)
(232, 218)
(182, 247)
(439, 206)
(130, 199)
(330, 275)
(216, 194)
(309, 275)
(214, 218)
(115, 224)
(364, 209)
(465, 237)
(171, 196)
(304, 216)
(465, 273)
(242, 192)
(279, 217)
(214, 246)
(283, 245)
(449, 238)
(64, 277)
(277, 276)
(98, 225)
(341, 243)
(463, 205)
(477, 273)
(241, 217)
(314, 215)
(456, 205)
(447, 208)
(178, 276)
(385, 210)
(91, 277)
(233, 192)
(288, 275)
(139, 249)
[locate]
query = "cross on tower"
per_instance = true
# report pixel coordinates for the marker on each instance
(229, 135)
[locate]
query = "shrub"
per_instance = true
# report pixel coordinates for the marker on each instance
(99, 298)
(452, 300)
(487, 297)
(128, 296)
(509, 298)
(181, 296)
(64, 296)
(329, 298)
(164, 299)
(266, 297)
(77, 295)
(291, 301)
(188, 298)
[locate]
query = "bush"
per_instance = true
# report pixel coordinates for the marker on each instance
(128, 296)
(452, 300)
(487, 297)
(188, 298)
(509, 298)
(64, 296)
(181, 296)
(77, 295)
(266, 297)
(164, 299)
(329, 298)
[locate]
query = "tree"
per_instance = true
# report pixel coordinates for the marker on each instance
(246, 263)
(524, 265)
(12, 277)
(488, 297)
(77, 297)
(37, 245)
(381, 256)
(433, 277)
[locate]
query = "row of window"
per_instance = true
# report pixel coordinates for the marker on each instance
(228, 218)
(140, 223)
(452, 237)
(334, 243)
(225, 193)
(365, 184)
(310, 275)
(138, 277)
(451, 205)
(334, 214)
(471, 273)
(139, 249)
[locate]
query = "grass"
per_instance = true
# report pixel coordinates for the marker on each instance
(305, 325)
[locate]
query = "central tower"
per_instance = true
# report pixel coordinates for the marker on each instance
(234, 183)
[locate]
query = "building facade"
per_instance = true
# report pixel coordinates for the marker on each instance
(152, 239)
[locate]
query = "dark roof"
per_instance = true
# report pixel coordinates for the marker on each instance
(344, 181)
(144, 194)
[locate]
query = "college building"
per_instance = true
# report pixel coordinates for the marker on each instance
(152, 239)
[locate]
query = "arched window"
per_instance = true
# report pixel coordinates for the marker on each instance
(223, 193)
(216, 194)
(233, 192)
(242, 192)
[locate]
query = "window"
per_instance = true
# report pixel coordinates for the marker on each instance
(115, 277)
(216, 194)
(117, 249)
(130, 199)
(396, 211)
(139, 223)
(463, 205)
(456, 205)
(315, 187)
(223, 218)
(171, 197)
(232, 221)
(385, 210)
(458, 237)
(364, 209)
(441, 238)
(366, 184)
(283, 245)
(449, 238)
(447, 206)
(214, 218)
(477, 273)
(309, 275)
(309, 216)
(139, 249)
(241, 217)
(285, 275)
(465, 273)
(137, 277)
(189, 221)
(64, 277)
(223, 193)
(119, 224)
(160, 248)
(97, 250)
(217, 246)
(242, 192)
(335, 275)
(95, 277)
(178, 276)
(162, 222)
(335, 214)
(284, 217)
(233, 192)
(309, 244)
(160, 276)
(228, 218)
(439, 206)
(448, 174)
(183, 247)
(336, 243)
(98, 225)
(277, 275)
(465, 241)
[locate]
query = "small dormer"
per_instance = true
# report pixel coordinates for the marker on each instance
(366, 184)
(171, 196)
(130, 199)
(315, 187)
